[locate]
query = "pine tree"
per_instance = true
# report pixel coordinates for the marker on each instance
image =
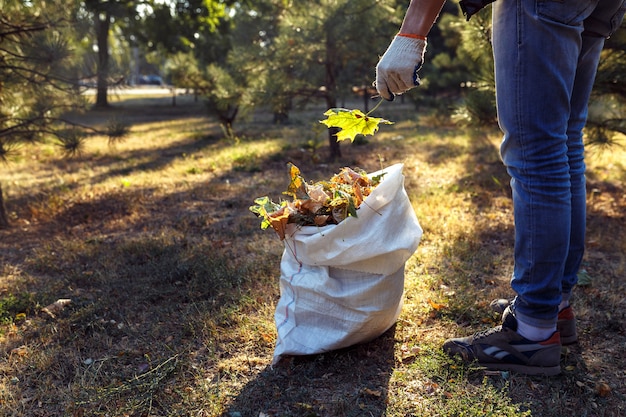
(474, 57)
(293, 52)
(607, 114)
(38, 80)
(607, 109)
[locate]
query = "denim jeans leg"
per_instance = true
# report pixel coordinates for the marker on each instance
(601, 24)
(537, 46)
(583, 83)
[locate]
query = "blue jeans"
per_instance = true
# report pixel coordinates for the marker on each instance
(546, 55)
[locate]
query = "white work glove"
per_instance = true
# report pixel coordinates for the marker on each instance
(396, 71)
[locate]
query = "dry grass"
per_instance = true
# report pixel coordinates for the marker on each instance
(173, 284)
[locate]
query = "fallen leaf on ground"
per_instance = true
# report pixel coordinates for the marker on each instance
(374, 393)
(434, 305)
(603, 389)
(19, 351)
(55, 308)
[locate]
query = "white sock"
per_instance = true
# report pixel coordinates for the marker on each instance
(534, 333)
(564, 300)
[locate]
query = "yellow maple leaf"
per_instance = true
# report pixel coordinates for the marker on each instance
(352, 123)
(296, 188)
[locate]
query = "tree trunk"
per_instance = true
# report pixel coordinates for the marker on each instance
(4, 219)
(103, 23)
(333, 144)
(331, 96)
(331, 102)
(335, 149)
(366, 100)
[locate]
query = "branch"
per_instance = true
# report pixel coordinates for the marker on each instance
(20, 128)
(23, 28)
(30, 75)
(20, 31)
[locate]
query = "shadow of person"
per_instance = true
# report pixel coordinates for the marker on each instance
(347, 382)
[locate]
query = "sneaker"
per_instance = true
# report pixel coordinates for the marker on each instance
(566, 325)
(503, 349)
(566, 322)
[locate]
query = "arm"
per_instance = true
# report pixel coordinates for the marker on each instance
(420, 16)
(396, 71)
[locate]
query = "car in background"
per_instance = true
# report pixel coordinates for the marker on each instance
(151, 79)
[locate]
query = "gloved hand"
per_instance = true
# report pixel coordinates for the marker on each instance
(396, 71)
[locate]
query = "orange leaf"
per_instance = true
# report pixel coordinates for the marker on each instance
(358, 195)
(278, 221)
(434, 305)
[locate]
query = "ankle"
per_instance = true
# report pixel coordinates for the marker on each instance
(564, 301)
(534, 333)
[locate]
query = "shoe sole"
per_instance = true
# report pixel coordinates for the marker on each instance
(570, 340)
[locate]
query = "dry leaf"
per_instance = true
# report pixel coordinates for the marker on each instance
(603, 389)
(278, 220)
(316, 204)
(434, 305)
(19, 351)
(267, 337)
(532, 385)
(55, 308)
(374, 393)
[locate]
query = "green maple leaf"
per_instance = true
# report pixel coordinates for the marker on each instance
(352, 123)
(263, 208)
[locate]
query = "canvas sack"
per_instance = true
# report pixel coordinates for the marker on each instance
(343, 284)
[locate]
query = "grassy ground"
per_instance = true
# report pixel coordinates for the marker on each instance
(172, 285)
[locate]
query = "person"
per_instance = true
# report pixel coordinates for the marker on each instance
(546, 55)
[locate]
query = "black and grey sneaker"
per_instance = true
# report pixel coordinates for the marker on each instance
(502, 348)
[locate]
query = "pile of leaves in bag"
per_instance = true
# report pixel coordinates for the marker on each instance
(316, 204)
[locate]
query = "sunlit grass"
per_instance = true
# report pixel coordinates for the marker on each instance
(607, 164)
(161, 156)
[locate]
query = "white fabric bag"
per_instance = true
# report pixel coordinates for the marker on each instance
(343, 284)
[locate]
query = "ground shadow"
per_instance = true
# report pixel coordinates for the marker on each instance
(347, 382)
